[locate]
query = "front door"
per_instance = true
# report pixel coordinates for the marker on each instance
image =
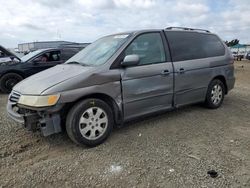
(147, 87)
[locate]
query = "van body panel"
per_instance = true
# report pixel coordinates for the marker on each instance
(191, 84)
(36, 84)
(136, 90)
(146, 89)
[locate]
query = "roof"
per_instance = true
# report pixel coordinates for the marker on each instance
(45, 49)
(168, 29)
(187, 29)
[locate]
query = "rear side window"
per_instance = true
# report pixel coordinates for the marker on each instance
(190, 45)
(54, 56)
(68, 53)
(49, 57)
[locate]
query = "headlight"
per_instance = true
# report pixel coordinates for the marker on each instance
(38, 101)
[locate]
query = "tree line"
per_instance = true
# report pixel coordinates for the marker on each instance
(232, 42)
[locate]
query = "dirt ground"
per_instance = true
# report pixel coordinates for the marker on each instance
(175, 149)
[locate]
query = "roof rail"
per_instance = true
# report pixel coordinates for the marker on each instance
(187, 29)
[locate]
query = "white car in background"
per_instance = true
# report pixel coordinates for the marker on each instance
(247, 55)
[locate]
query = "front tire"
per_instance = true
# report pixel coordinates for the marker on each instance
(8, 81)
(89, 122)
(215, 94)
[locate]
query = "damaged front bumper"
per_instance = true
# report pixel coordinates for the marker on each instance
(46, 120)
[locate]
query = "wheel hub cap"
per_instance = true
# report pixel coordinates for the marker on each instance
(93, 123)
(216, 94)
(11, 83)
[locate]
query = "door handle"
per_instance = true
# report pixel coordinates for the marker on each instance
(165, 72)
(181, 70)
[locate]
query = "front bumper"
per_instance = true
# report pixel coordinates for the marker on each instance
(14, 115)
(47, 121)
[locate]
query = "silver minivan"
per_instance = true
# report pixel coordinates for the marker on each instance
(121, 77)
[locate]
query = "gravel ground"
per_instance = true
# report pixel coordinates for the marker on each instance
(175, 149)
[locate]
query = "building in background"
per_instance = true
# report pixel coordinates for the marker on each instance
(32, 46)
(240, 48)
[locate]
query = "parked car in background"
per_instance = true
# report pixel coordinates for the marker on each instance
(247, 56)
(121, 77)
(238, 56)
(16, 69)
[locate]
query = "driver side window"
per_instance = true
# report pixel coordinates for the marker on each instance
(48, 57)
(148, 47)
(42, 58)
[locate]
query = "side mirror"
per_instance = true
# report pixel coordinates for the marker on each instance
(12, 58)
(130, 60)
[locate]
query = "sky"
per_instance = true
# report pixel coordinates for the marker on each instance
(87, 20)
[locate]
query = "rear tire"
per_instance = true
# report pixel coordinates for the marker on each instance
(215, 94)
(8, 81)
(89, 122)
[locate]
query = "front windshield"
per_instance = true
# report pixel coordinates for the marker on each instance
(99, 51)
(30, 55)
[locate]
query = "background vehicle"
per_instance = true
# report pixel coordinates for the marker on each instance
(121, 77)
(16, 69)
(238, 56)
(247, 55)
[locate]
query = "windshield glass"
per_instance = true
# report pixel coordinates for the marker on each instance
(99, 51)
(30, 55)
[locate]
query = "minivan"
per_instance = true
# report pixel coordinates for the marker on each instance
(121, 77)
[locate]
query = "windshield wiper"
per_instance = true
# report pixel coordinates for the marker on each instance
(73, 62)
(77, 63)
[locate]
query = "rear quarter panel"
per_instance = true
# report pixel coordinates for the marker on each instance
(192, 85)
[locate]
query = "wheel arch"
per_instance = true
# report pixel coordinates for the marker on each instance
(223, 80)
(13, 71)
(117, 112)
(3, 82)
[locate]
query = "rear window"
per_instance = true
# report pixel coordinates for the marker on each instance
(69, 52)
(191, 45)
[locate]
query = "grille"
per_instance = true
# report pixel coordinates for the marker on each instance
(14, 97)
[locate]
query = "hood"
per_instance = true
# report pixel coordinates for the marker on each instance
(8, 54)
(36, 84)
(8, 61)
